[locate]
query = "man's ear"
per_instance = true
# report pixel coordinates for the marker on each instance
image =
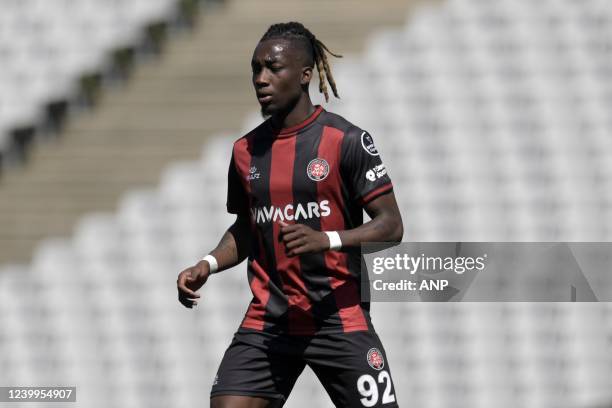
(306, 75)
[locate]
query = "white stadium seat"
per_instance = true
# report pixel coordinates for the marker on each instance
(493, 118)
(54, 42)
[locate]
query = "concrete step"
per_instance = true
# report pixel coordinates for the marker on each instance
(23, 209)
(103, 141)
(20, 248)
(201, 86)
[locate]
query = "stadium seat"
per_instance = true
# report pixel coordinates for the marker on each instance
(51, 44)
(492, 117)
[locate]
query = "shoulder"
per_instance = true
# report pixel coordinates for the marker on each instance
(351, 134)
(356, 140)
(245, 142)
(339, 122)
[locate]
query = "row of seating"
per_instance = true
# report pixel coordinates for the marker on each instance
(485, 166)
(46, 46)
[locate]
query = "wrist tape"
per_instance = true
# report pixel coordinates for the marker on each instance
(334, 240)
(212, 261)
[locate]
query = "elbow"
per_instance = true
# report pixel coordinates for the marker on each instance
(397, 230)
(399, 233)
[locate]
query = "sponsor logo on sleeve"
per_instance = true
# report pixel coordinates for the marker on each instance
(376, 172)
(368, 144)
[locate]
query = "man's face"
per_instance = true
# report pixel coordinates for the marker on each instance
(278, 75)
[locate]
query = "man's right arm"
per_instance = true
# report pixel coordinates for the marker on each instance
(232, 249)
(234, 245)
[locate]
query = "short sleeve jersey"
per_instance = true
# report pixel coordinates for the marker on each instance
(320, 173)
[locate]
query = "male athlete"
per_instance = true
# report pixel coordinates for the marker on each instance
(298, 184)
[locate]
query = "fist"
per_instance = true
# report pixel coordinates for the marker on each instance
(189, 281)
(300, 239)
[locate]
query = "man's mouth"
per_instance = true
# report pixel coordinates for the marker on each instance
(262, 98)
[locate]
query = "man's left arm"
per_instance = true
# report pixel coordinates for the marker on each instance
(385, 226)
(368, 183)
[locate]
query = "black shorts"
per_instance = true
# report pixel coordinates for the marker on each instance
(352, 367)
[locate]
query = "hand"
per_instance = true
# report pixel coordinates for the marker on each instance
(189, 281)
(300, 239)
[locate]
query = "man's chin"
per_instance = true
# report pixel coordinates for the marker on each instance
(266, 112)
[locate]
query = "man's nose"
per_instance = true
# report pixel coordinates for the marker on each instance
(261, 78)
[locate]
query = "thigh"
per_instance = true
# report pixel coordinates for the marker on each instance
(353, 368)
(260, 365)
(233, 401)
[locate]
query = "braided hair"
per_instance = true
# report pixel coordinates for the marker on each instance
(315, 48)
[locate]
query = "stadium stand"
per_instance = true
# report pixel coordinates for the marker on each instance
(163, 113)
(492, 117)
(48, 46)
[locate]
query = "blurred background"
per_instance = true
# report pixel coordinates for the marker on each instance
(117, 119)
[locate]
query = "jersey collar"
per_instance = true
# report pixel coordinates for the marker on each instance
(285, 132)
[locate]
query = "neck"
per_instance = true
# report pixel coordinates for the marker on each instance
(296, 114)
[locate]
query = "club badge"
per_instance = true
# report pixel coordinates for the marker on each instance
(375, 359)
(317, 169)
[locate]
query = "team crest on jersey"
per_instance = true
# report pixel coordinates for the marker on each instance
(317, 169)
(368, 144)
(375, 359)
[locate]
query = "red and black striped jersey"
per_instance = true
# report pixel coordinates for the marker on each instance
(320, 173)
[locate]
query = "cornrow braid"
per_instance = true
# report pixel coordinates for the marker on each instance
(319, 51)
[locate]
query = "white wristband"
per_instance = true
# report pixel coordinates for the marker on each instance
(334, 240)
(212, 261)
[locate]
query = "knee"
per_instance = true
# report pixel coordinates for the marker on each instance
(232, 401)
(229, 401)
(220, 402)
